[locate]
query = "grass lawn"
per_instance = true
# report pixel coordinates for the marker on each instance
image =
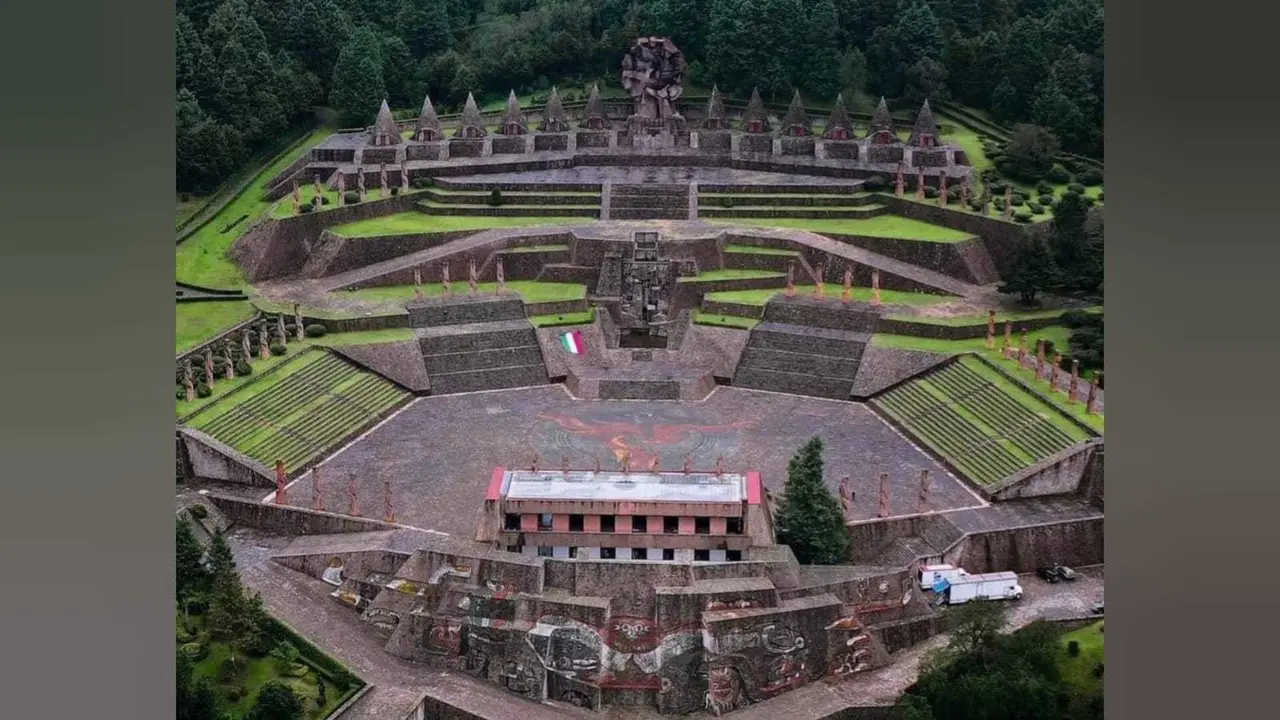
(586, 317)
(705, 318)
(187, 208)
(758, 250)
(365, 337)
(1056, 334)
(202, 258)
(416, 222)
(1001, 317)
(200, 321)
(732, 274)
(531, 291)
(226, 387)
(256, 672)
(887, 226)
(1077, 672)
(284, 206)
(968, 140)
(888, 297)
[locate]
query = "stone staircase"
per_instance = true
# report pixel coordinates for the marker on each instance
(649, 201)
(804, 347)
(477, 344)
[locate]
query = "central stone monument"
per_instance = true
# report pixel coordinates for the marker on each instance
(653, 73)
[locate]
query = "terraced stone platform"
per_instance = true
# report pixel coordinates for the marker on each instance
(471, 344)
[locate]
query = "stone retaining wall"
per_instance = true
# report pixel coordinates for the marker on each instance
(1022, 550)
(553, 142)
(509, 145)
(734, 309)
(335, 254)
(902, 326)
(947, 258)
(1001, 237)
(1058, 474)
(287, 520)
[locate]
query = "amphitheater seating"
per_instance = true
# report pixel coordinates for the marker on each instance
(974, 423)
(310, 404)
(650, 201)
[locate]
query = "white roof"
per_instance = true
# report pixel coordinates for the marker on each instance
(618, 487)
(985, 577)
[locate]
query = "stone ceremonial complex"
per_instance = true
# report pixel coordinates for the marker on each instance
(511, 505)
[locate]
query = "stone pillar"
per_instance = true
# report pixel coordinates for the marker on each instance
(1008, 339)
(319, 192)
(188, 380)
(208, 368)
(1054, 371)
(297, 323)
(1074, 385)
(875, 288)
(693, 140)
(900, 184)
(297, 195)
(417, 283)
(991, 329)
(360, 183)
(820, 149)
(281, 479)
(317, 493)
(847, 294)
(502, 278)
(471, 277)
(844, 496)
(444, 280)
(964, 193)
(486, 146)
(791, 280)
(775, 147)
(882, 501)
(244, 345)
(1039, 357)
(284, 336)
(231, 361)
(404, 177)
(382, 181)
(923, 505)
(1022, 348)
(819, 288)
(1093, 397)
(942, 190)
(920, 183)
(1008, 202)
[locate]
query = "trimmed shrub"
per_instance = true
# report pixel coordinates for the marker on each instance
(997, 203)
(278, 348)
(876, 183)
(185, 636)
(1058, 175)
(1099, 197)
(1044, 187)
(195, 651)
(305, 208)
(1035, 208)
(1076, 188)
(314, 330)
(395, 190)
(324, 200)
(351, 197)
(1073, 648)
(1088, 201)
(495, 197)
(1018, 199)
(203, 391)
(1007, 168)
(726, 202)
(1022, 216)
(975, 205)
(1046, 199)
(1089, 176)
(198, 511)
(235, 692)
(1098, 670)
(997, 187)
(182, 393)
(197, 606)
(930, 192)
(243, 368)
(420, 182)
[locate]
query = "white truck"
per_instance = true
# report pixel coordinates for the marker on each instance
(930, 575)
(985, 586)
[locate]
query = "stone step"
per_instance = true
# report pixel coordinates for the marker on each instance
(434, 313)
(483, 359)
(708, 200)
(807, 340)
(812, 213)
(617, 213)
(846, 189)
(489, 379)
(793, 383)
(804, 363)
(626, 189)
(831, 315)
(475, 337)
(681, 202)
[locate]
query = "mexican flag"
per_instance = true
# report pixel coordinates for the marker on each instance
(572, 341)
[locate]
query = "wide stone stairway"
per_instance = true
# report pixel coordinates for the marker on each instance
(807, 347)
(649, 201)
(483, 343)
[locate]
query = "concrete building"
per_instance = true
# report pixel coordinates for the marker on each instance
(672, 516)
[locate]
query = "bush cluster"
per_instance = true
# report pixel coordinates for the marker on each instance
(495, 197)
(930, 192)
(351, 197)
(1035, 208)
(1058, 175)
(1089, 176)
(278, 348)
(1022, 216)
(876, 183)
(314, 330)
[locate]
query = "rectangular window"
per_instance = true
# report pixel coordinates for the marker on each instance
(638, 554)
(575, 523)
(515, 548)
(573, 552)
(544, 521)
(671, 524)
(608, 553)
(639, 524)
(607, 523)
(733, 555)
(511, 522)
(702, 526)
(701, 555)
(546, 551)
(733, 526)
(668, 553)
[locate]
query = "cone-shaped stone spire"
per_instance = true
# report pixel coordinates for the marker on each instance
(882, 130)
(715, 119)
(385, 130)
(754, 118)
(796, 122)
(471, 124)
(595, 117)
(428, 128)
(553, 117)
(513, 120)
(925, 132)
(839, 127)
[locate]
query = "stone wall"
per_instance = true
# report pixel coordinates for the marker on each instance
(957, 259)
(509, 145)
(466, 148)
(902, 634)
(212, 459)
(714, 141)
(904, 326)
(378, 156)
(884, 154)
(288, 520)
(427, 151)
(1022, 550)
(930, 158)
(796, 145)
(762, 144)
(594, 138)
(1001, 237)
(333, 254)
(1058, 474)
(551, 142)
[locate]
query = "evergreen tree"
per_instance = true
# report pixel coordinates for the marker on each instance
(1033, 271)
(1024, 64)
(316, 31)
(358, 89)
(194, 65)
(229, 609)
(816, 51)
(809, 517)
(1029, 154)
(397, 73)
(924, 79)
(190, 573)
(424, 25)
(276, 701)
(197, 697)
(207, 150)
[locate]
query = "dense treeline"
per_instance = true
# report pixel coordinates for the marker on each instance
(248, 68)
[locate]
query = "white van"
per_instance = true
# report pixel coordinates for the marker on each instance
(986, 586)
(930, 575)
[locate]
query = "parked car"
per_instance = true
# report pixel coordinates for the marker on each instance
(1096, 608)
(1054, 573)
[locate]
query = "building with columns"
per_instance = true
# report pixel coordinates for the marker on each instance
(610, 515)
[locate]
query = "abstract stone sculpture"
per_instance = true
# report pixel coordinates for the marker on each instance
(839, 126)
(716, 118)
(513, 120)
(553, 115)
(428, 128)
(385, 130)
(653, 73)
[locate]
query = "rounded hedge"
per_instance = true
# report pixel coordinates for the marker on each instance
(1023, 216)
(243, 368)
(296, 670)
(197, 606)
(1058, 175)
(1044, 187)
(930, 192)
(495, 197)
(1089, 176)
(420, 182)
(1018, 199)
(185, 636)
(997, 188)
(975, 204)
(351, 197)
(1076, 188)
(1035, 208)
(998, 203)
(194, 651)
(1088, 201)
(314, 330)
(305, 208)
(1046, 199)
(1099, 197)
(395, 190)
(278, 348)
(182, 393)
(203, 390)
(324, 200)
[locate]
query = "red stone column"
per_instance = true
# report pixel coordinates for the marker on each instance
(1054, 372)
(819, 290)
(882, 501)
(791, 280)
(875, 287)
(847, 294)
(991, 330)
(1074, 385)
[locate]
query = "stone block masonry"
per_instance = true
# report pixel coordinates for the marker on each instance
(477, 344)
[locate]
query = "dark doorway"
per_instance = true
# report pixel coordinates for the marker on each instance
(641, 338)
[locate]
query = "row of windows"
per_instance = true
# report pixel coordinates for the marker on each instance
(608, 553)
(639, 524)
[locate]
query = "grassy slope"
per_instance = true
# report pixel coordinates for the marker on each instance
(200, 321)
(1026, 399)
(1058, 335)
(202, 258)
(888, 297)
(416, 222)
(887, 226)
(1077, 672)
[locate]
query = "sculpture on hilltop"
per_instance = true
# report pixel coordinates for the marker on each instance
(653, 73)
(513, 120)
(385, 130)
(553, 115)
(882, 130)
(428, 128)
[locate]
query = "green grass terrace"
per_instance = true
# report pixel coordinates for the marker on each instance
(198, 322)
(416, 222)
(887, 297)
(885, 226)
